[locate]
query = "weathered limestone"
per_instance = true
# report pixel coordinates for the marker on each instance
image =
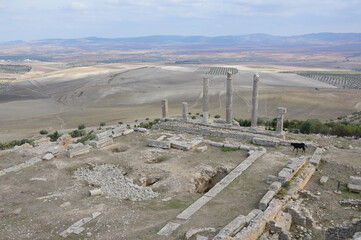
(255, 100)
(158, 144)
(77, 227)
(95, 192)
(48, 156)
(236, 225)
(201, 149)
(205, 100)
(80, 150)
(265, 142)
(185, 111)
(139, 129)
(354, 184)
(185, 145)
(102, 139)
(275, 186)
(117, 131)
(323, 180)
(316, 157)
(195, 231)
(168, 229)
(280, 115)
(293, 166)
(229, 99)
(20, 166)
(263, 204)
(41, 141)
(165, 108)
(65, 140)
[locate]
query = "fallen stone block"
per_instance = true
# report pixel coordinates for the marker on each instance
(236, 225)
(118, 131)
(216, 144)
(263, 204)
(77, 227)
(195, 231)
(95, 192)
(275, 186)
(142, 130)
(158, 144)
(355, 180)
(231, 146)
(354, 184)
(78, 151)
(265, 142)
(201, 149)
(180, 145)
(101, 143)
(65, 140)
(168, 229)
(72, 146)
(323, 180)
(128, 131)
(48, 156)
(41, 141)
(316, 157)
(103, 135)
(353, 187)
(38, 179)
(271, 179)
(285, 175)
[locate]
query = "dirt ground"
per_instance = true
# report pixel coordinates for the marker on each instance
(60, 98)
(36, 210)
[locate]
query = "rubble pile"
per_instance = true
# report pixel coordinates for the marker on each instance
(112, 182)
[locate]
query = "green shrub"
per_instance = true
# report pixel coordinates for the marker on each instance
(77, 133)
(227, 149)
(85, 138)
(102, 124)
(217, 116)
(54, 136)
(7, 145)
(43, 132)
(81, 126)
(194, 117)
(120, 123)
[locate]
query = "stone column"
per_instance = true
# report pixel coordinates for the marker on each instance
(229, 98)
(205, 100)
(255, 100)
(280, 115)
(185, 111)
(165, 108)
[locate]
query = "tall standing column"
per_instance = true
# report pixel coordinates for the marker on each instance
(280, 115)
(205, 100)
(185, 111)
(165, 108)
(229, 98)
(255, 100)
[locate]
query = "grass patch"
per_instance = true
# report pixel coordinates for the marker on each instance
(160, 159)
(227, 149)
(176, 204)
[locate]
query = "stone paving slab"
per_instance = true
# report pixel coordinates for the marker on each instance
(168, 229)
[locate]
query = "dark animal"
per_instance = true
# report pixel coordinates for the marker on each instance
(298, 145)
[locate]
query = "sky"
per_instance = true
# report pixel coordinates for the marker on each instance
(45, 19)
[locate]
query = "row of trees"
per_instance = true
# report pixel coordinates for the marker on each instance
(341, 129)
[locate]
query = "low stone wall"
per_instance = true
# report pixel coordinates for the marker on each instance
(343, 232)
(207, 130)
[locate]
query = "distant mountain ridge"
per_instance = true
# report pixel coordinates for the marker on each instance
(325, 39)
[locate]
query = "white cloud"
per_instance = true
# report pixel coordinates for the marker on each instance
(78, 6)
